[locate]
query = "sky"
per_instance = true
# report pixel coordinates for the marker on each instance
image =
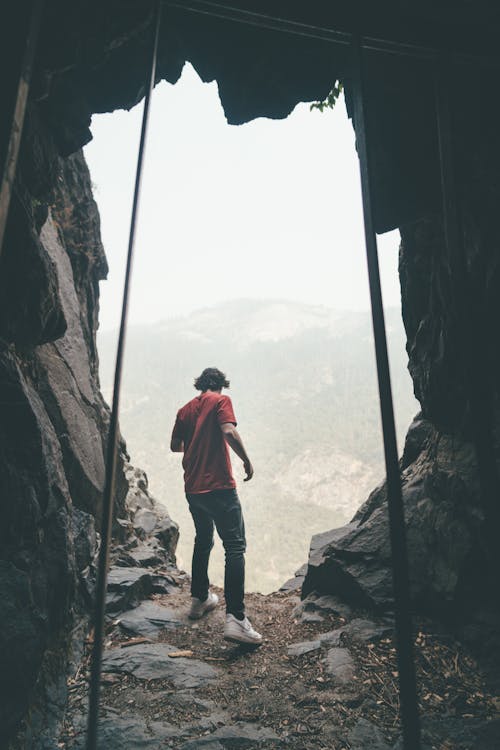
(267, 210)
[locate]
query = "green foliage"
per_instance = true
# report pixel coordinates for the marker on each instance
(331, 99)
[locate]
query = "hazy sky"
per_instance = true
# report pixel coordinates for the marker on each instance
(270, 209)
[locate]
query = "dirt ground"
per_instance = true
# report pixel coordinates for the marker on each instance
(297, 697)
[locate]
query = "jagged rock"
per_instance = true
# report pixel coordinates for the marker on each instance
(340, 664)
(150, 519)
(151, 662)
(299, 649)
(145, 522)
(444, 518)
(167, 533)
(149, 618)
(296, 582)
(366, 736)
(362, 576)
(138, 496)
(127, 587)
(143, 556)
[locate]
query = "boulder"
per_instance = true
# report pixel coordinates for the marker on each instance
(127, 587)
(296, 582)
(340, 665)
(444, 518)
(151, 662)
(149, 619)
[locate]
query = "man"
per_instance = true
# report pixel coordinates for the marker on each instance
(204, 428)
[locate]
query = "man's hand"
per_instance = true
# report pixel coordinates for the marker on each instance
(232, 436)
(248, 470)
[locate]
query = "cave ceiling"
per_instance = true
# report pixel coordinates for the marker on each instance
(93, 58)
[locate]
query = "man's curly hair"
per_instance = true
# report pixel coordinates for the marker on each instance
(211, 379)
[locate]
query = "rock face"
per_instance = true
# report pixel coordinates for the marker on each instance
(446, 542)
(52, 437)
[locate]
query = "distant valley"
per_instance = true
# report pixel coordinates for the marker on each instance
(303, 384)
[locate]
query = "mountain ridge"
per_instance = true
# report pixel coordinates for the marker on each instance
(303, 384)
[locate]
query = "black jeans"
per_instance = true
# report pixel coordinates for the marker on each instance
(222, 508)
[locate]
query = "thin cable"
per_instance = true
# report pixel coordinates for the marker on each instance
(404, 635)
(111, 456)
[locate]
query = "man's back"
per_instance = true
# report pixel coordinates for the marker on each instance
(206, 461)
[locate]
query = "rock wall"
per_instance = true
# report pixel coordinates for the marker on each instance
(451, 463)
(53, 430)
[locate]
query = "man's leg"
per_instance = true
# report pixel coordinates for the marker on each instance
(203, 543)
(228, 519)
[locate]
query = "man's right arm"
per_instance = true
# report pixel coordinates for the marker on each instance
(177, 442)
(233, 439)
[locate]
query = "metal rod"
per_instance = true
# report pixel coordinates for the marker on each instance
(18, 113)
(111, 457)
(377, 41)
(404, 635)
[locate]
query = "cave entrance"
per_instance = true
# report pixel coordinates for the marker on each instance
(406, 668)
(272, 216)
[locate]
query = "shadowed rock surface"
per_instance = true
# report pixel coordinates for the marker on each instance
(52, 437)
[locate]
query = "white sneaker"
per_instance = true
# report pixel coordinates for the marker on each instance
(199, 608)
(241, 631)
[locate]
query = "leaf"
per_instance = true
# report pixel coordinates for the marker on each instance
(178, 654)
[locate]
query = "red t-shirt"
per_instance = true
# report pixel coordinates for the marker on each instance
(206, 461)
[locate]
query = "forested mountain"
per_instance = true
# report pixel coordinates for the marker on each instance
(303, 385)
